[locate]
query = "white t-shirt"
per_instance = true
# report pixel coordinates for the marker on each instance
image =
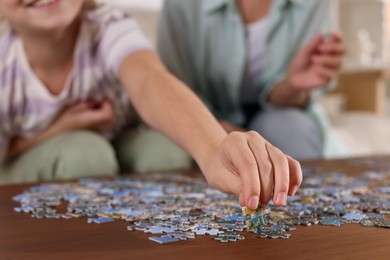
(27, 108)
(256, 33)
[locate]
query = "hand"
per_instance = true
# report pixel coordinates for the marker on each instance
(317, 63)
(230, 127)
(85, 115)
(247, 165)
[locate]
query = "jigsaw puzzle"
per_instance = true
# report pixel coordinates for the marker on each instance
(179, 208)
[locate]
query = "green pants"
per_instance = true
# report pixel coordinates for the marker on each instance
(88, 154)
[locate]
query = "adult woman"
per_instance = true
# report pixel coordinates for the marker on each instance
(256, 64)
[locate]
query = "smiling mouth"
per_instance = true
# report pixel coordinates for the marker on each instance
(40, 3)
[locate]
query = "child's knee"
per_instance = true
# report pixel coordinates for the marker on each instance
(163, 158)
(82, 154)
(148, 151)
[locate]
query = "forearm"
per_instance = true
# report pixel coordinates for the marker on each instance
(173, 109)
(169, 106)
(282, 95)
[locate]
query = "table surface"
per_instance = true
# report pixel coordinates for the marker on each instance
(24, 237)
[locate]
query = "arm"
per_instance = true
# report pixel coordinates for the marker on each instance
(163, 101)
(240, 163)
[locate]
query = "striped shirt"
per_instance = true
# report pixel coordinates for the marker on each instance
(27, 108)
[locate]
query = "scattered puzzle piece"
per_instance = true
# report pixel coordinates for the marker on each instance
(164, 239)
(226, 237)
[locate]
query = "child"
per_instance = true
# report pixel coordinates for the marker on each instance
(70, 76)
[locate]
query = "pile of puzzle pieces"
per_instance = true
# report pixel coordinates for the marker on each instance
(173, 207)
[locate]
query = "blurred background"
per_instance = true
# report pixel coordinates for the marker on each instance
(359, 108)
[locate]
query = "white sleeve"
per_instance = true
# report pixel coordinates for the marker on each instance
(122, 38)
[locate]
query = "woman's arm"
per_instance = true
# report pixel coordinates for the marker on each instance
(240, 163)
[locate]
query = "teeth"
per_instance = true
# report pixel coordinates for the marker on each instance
(29, 2)
(39, 3)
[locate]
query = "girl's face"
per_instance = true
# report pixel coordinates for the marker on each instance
(40, 15)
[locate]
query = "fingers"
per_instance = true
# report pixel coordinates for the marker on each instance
(245, 162)
(295, 175)
(332, 48)
(336, 36)
(335, 45)
(264, 165)
(333, 62)
(324, 73)
(281, 174)
(254, 169)
(312, 46)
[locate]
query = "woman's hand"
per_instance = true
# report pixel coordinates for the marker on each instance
(316, 64)
(247, 165)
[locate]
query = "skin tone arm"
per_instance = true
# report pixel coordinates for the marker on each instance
(240, 163)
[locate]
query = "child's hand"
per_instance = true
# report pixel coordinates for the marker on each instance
(316, 64)
(247, 165)
(86, 115)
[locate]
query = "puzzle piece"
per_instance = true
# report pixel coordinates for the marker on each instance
(258, 218)
(232, 227)
(100, 220)
(164, 239)
(159, 230)
(385, 223)
(354, 217)
(182, 235)
(331, 221)
(226, 237)
(274, 234)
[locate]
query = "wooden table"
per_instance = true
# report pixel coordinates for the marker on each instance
(23, 237)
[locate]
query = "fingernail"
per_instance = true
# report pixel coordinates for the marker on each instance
(241, 200)
(294, 190)
(281, 198)
(264, 206)
(253, 202)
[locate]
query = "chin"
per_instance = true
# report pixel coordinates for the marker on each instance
(56, 23)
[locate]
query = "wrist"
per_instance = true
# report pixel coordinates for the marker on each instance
(208, 149)
(286, 93)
